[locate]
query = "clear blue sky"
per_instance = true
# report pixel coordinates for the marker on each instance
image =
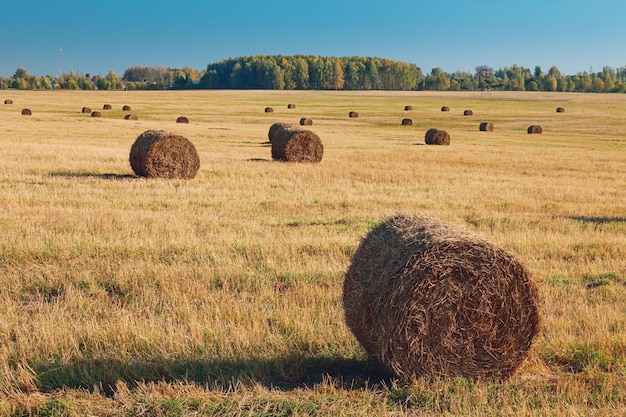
(98, 36)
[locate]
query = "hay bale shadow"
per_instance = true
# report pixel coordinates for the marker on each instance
(107, 176)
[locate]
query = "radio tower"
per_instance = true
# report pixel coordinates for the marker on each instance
(60, 62)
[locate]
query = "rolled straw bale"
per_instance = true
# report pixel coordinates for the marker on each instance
(486, 127)
(269, 110)
(293, 144)
(125, 107)
(107, 107)
(305, 121)
(96, 114)
(161, 154)
(291, 106)
(436, 137)
(353, 114)
(445, 108)
(424, 297)
(8, 101)
(86, 110)
(407, 122)
(182, 119)
(535, 129)
(408, 108)
(131, 117)
(27, 112)
(560, 110)
(468, 113)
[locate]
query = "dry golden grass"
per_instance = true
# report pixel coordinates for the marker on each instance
(222, 295)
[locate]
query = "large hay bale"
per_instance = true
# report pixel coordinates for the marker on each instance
(535, 129)
(291, 106)
(161, 154)
(86, 110)
(107, 107)
(182, 119)
(407, 122)
(436, 137)
(293, 144)
(426, 298)
(486, 127)
(131, 117)
(445, 108)
(468, 113)
(8, 101)
(353, 114)
(96, 114)
(27, 112)
(408, 108)
(560, 110)
(269, 110)
(125, 107)
(305, 121)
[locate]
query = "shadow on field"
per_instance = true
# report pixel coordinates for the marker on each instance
(286, 373)
(598, 220)
(91, 175)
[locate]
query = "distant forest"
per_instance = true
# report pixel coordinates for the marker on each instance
(306, 72)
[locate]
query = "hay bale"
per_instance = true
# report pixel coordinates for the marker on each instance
(291, 106)
(353, 114)
(436, 137)
(96, 114)
(27, 112)
(407, 122)
(126, 107)
(107, 107)
(161, 154)
(269, 110)
(560, 110)
(131, 117)
(445, 108)
(182, 119)
(426, 298)
(86, 110)
(8, 101)
(305, 121)
(486, 127)
(535, 129)
(468, 113)
(408, 108)
(293, 144)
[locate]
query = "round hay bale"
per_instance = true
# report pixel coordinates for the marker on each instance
(269, 110)
(353, 114)
(560, 110)
(468, 113)
(8, 101)
(27, 112)
(161, 154)
(408, 108)
(293, 144)
(407, 122)
(445, 108)
(291, 106)
(182, 119)
(486, 127)
(131, 117)
(305, 121)
(126, 107)
(424, 297)
(107, 107)
(96, 114)
(535, 129)
(436, 137)
(86, 110)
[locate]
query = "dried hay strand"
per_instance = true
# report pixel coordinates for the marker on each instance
(291, 106)
(96, 114)
(182, 119)
(107, 107)
(269, 110)
(131, 117)
(468, 113)
(293, 144)
(445, 108)
(86, 110)
(535, 129)
(486, 127)
(424, 297)
(353, 114)
(305, 121)
(560, 110)
(8, 101)
(161, 154)
(436, 137)
(126, 107)
(407, 122)
(408, 108)
(27, 112)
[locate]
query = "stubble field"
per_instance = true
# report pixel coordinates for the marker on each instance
(221, 295)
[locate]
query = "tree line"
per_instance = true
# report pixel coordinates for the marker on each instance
(307, 72)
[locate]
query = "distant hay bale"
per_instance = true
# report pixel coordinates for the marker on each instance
(305, 121)
(407, 122)
(535, 129)
(424, 297)
(8, 101)
(96, 114)
(445, 108)
(269, 110)
(468, 113)
(125, 107)
(27, 112)
(436, 137)
(161, 154)
(486, 127)
(408, 108)
(353, 114)
(131, 117)
(560, 110)
(293, 144)
(291, 106)
(86, 110)
(182, 119)
(107, 107)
